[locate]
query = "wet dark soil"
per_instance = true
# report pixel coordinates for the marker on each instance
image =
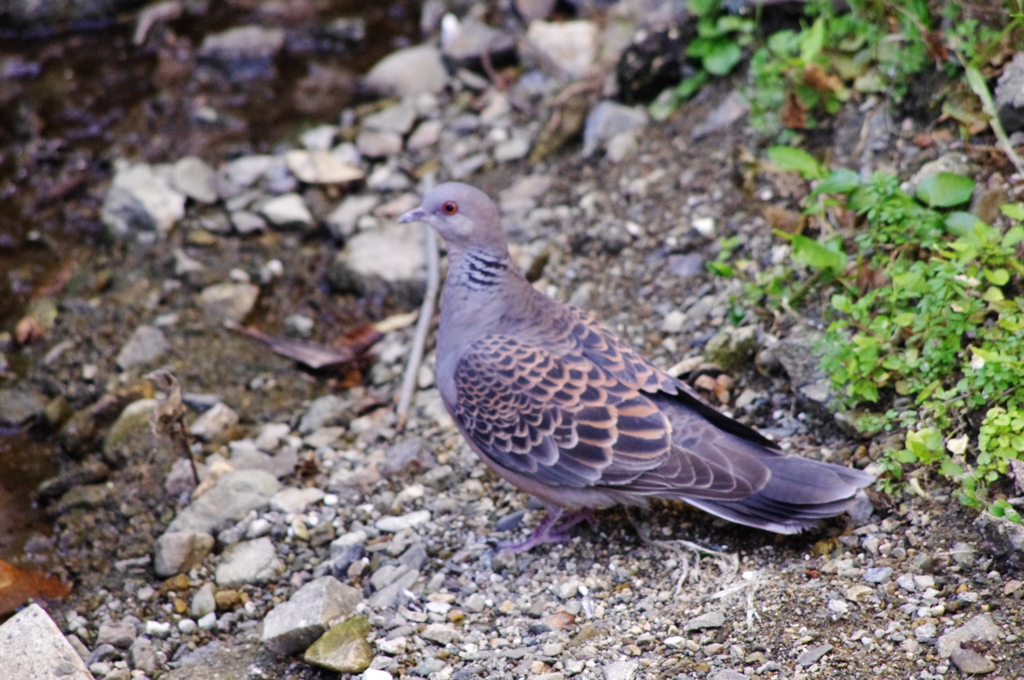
(74, 100)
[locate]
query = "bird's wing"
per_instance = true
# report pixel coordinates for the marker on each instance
(565, 419)
(560, 420)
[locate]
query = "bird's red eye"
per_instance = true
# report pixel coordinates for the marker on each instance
(450, 208)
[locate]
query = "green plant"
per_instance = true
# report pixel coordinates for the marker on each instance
(940, 333)
(718, 48)
(798, 77)
(926, 320)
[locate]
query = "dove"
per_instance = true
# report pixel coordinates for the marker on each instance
(557, 405)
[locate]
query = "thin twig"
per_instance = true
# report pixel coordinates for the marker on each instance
(412, 368)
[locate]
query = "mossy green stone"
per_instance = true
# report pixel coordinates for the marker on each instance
(343, 648)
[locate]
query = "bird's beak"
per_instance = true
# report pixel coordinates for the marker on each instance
(415, 215)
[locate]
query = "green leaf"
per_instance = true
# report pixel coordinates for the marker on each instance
(719, 269)
(945, 190)
(993, 294)
(998, 277)
(790, 158)
(960, 223)
(951, 469)
(1015, 211)
(829, 257)
(722, 55)
(669, 100)
(840, 181)
(703, 7)
(813, 41)
(1013, 236)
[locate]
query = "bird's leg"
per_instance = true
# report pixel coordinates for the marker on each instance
(551, 530)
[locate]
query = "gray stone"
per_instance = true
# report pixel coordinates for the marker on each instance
(320, 138)
(299, 326)
(247, 170)
(321, 167)
(1005, 537)
(297, 623)
(708, 620)
(531, 10)
(963, 554)
(323, 412)
(246, 456)
(731, 348)
(397, 523)
(1009, 94)
(143, 655)
(293, 501)
(120, 634)
(177, 552)
(344, 648)
(608, 119)
(411, 71)
(621, 670)
(140, 199)
(728, 674)
(375, 262)
(20, 406)
(734, 107)
(878, 574)
(388, 574)
(980, 628)
(146, 345)
(567, 48)
(925, 632)
(512, 149)
(686, 266)
(406, 454)
(203, 602)
(426, 134)
(247, 222)
(33, 648)
(971, 662)
(341, 222)
(389, 595)
(245, 51)
(812, 655)
(213, 421)
(228, 500)
(185, 265)
(441, 633)
(467, 45)
(249, 562)
(231, 301)
(525, 193)
(193, 177)
(377, 144)
(397, 119)
(288, 211)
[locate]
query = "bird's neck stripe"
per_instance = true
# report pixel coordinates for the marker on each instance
(480, 270)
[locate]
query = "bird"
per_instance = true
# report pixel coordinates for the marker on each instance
(557, 405)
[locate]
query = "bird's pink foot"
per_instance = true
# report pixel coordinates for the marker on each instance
(554, 529)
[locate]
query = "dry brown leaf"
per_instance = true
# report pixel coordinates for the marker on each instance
(18, 587)
(816, 77)
(794, 113)
(348, 349)
(783, 219)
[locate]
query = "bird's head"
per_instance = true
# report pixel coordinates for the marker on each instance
(463, 215)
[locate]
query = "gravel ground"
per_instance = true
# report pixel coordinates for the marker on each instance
(915, 587)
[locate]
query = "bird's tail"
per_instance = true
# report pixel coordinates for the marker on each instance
(799, 493)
